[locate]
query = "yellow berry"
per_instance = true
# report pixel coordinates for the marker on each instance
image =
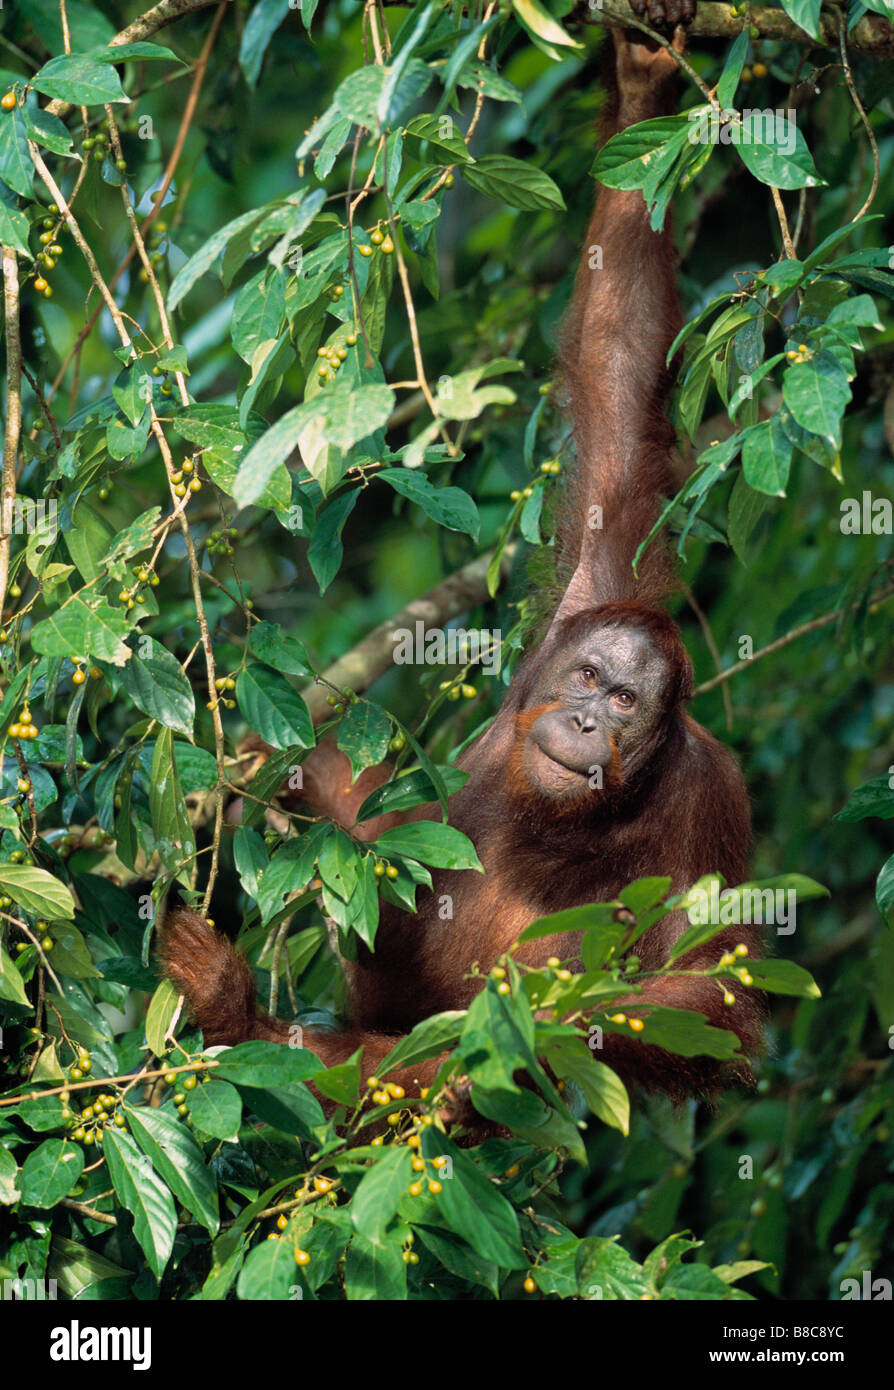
(302, 1258)
(529, 1285)
(636, 1025)
(415, 1189)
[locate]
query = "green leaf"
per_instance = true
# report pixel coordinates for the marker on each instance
(337, 863)
(80, 79)
(12, 986)
(158, 686)
(364, 734)
(350, 413)
(70, 954)
(859, 312)
(264, 1065)
(14, 229)
(767, 457)
(687, 1034)
(442, 846)
(774, 151)
(584, 918)
(514, 182)
(805, 13)
(746, 508)
(261, 25)
(732, 70)
(428, 1039)
(341, 1083)
(279, 649)
(290, 869)
(473, 1207)
(50, 1172)
(375, 1272)
(16, 169)
(46, 129)
(625, 160)
(206, 255)
(174, 837)
(211, 425)
(600, 1264)
(783, 977)
(140, 52)
(42, 1114)
(216, 1109)
(143, 1193)
(177, 1158)
(160, 1016)
(816, 392)
(87, 625)
(37, 891)
(546, 32)
(380, 1192)
(451, 148)
(273, 709)
(449, 506)
(412, 789)
(325, 551)
(250, 858)
(271, 450)
(269, 1273)
(371, 98)
(884, 891)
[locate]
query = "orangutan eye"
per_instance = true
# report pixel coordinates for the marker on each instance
(589, 674)
(625, 698)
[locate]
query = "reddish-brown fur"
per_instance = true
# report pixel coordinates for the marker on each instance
(684, 814)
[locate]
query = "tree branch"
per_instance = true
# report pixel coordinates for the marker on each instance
(801, 631)
(872, 34)
(13, 410)
(373, 656)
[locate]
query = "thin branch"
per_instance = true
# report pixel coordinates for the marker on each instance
(872, 34)
(199, 70)
(783, 223)
(823, 621)
(374, 655)
(712, 648)
(143, 28)
(13, 410)
(855, 98)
